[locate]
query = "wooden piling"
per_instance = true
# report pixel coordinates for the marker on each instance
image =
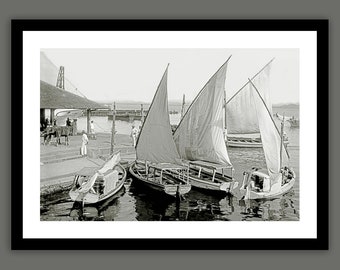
(183, 106)
(113, 127)
(88, 116)
(142, 113)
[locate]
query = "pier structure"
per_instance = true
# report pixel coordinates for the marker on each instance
(52, 98)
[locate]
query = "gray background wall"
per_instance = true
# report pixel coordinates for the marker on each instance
(157, 9)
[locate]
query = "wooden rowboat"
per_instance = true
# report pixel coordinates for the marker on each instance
(93, 185)
(167, 178)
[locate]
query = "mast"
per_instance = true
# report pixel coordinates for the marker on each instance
(142, 113)
(183, 104)
(282, 126)
(113, 131)
(225, 110)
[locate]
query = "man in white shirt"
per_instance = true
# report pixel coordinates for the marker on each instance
(85, 141)
(134, 135)
(92, 127)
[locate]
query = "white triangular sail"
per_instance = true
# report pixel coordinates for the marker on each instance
(241, 112)
(271, 139)
(199, 136)
(155, 142)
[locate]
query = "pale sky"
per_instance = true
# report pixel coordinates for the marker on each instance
(134, 74)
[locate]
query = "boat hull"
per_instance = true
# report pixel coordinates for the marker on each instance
(244, 144)
(91, 198)
(169, 189)
(252, 195)
(247, 144)
(205, 185)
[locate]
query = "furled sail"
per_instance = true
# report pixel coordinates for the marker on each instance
(113, 161)
(199, 136)
(241, 112)
(271, 139)
(155, 142)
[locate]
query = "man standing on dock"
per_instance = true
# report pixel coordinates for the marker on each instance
(92, 133)
(134, 135)
(85, 141)
(92, 127)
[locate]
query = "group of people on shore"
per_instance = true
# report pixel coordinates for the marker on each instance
(46, 123)
(85, 139)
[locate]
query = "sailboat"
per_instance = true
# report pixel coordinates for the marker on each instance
(276, 179)
(200, 141)
(93, 185)
(294, 122)
(241, 121)
(158, 164)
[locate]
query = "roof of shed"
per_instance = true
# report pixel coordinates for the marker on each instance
(52, 97)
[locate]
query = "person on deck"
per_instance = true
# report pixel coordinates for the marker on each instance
(47, 123)
(68, 122)
(84, 143)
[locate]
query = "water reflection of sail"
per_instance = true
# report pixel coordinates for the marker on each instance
(227, 205)
(201, 206)
(149, 204)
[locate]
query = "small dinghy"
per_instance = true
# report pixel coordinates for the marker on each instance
(93, 185)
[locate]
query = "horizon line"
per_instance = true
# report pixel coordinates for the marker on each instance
(179, 101)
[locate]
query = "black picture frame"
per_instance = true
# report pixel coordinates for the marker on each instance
(321, 242)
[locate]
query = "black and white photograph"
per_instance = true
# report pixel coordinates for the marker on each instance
(170, 134)
(157, 134)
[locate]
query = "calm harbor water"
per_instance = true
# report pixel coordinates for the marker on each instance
(135, 202)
